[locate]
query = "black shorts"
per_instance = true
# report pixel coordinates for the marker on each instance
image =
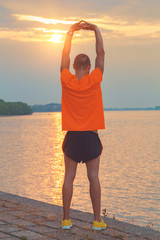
(82, 145)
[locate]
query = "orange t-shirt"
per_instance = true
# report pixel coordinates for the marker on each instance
(82, 105)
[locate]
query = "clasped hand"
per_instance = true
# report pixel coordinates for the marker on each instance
(82, 25)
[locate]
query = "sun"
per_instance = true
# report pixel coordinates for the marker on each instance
(56, 38)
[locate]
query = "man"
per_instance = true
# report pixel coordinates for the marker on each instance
(82, 116)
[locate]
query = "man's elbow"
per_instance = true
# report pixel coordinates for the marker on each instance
(101, 52)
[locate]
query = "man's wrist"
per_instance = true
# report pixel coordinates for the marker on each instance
(95, 28)
(70, 32)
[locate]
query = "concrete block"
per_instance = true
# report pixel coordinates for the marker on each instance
(7, 218)
(4, 235)
(52, 224)
(41, 229)
(1, 223)
(29, 234)
(8, 228)
(22, 222)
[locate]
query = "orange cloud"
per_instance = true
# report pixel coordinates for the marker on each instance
(114, 29)
(42, 20)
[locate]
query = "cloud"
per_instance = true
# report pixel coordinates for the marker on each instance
(117, 20)
(43, 20)
(124, 9)
(27, 36)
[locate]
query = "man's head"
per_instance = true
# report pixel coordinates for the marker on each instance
(82, 63)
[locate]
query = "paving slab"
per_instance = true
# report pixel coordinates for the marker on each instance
(8, 228)
(28, 234)
(10, 238)
(31, 219)
(1, 223)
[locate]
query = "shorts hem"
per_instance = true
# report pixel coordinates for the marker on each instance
(71, 158)
(81, 161)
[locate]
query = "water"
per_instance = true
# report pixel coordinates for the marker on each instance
(31, 163)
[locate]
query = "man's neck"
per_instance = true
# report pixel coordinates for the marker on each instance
(81, 73)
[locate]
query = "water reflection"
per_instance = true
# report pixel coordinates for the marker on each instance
(57, 162)
(32, 164)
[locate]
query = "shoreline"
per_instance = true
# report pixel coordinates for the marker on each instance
(25, 218)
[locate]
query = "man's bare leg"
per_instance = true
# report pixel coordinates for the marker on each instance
(67, 189)
(95, 189)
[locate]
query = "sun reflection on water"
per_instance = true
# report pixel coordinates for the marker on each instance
(57, 163)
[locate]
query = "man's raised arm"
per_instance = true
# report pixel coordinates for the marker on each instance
(65, 60)
(99, 63)
(99, 50)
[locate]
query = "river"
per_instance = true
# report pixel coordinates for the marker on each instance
(31, 163)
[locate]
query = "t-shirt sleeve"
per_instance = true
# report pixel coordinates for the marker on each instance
(66, 75)
(97, 75)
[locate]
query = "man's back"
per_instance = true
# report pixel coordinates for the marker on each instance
(82, 106)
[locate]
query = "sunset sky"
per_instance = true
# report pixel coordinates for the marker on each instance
(32, 34)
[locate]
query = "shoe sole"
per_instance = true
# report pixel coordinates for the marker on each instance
(95, 228)
(66, 227)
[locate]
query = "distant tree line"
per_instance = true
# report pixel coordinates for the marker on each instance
(51, 107)
(132, 109)
(19, 108)
(56, 107)
(14, 108)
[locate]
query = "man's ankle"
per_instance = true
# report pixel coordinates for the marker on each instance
(97, 219)
(65, 218)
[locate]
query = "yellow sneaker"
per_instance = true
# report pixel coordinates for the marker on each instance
(99, 225)
(66, 224)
